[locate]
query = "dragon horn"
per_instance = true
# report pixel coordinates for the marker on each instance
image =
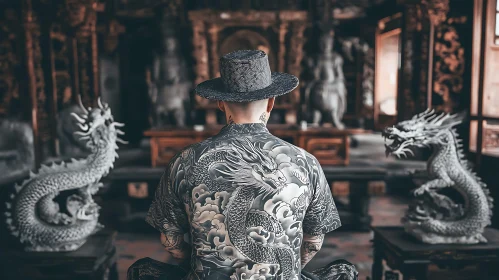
(121, 141)
(120, 132)
(99, 103)
(80, 133)
(83, 126)
(78, 118)
(81, 105)
(118, 124)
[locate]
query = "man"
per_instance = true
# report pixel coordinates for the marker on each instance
(244, 204)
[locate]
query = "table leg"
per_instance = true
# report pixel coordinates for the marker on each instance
(418, 272)
(359, 205)
(377, 267)
(113, 272)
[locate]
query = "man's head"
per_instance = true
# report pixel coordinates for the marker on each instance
(247, 112)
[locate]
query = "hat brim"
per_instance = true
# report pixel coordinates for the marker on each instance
(214, 89)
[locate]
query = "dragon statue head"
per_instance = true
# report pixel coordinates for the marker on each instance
(422, 130)
(98, 126)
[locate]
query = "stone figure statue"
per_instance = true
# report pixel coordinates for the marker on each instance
(434, 217)
(326, 93)
(168, 85)
(16, 147)
(36, 219)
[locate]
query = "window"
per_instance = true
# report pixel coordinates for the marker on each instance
(484, 118)
(496, 40)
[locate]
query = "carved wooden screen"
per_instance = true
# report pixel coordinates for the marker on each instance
(212, 29)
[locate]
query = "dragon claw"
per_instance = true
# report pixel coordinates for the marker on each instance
(81, 214)
(421, 190)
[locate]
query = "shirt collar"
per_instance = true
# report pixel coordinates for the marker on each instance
(244, 128)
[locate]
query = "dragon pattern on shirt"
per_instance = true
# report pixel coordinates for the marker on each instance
(245, 198)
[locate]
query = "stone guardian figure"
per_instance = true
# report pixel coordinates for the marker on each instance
(326, 93)
(168, 85)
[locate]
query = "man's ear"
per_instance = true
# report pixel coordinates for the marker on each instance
(221, 106)
(270, 104)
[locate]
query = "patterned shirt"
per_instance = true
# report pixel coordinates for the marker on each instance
(244, 198)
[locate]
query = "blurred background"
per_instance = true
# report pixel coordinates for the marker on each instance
(377, 62)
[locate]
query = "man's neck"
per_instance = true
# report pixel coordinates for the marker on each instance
(234, 119)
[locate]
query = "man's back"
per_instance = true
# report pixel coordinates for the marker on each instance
(246, 198)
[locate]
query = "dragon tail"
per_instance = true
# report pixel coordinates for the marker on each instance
(464, 162)
(10, 204)
(43, 170)
(486, 191)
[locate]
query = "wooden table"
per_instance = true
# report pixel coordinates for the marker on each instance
(412, 257)
(95, 260)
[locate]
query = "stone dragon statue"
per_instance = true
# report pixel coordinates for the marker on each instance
(434, 217)
(35, 218)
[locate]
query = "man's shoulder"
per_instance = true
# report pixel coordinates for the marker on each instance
(185, 154)
(310, 158)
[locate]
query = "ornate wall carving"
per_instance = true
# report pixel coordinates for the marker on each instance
(9, 59)
(208, 30)
(81, 16)
(37, 83)
(449, 65)
(61, 66)
(437, 10)
(416, 44)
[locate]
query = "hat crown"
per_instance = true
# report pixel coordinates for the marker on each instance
(245, 71)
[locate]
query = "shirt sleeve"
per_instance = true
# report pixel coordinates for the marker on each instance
(167, 212)
(321, 216)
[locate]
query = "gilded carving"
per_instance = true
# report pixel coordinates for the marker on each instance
(81, 16)
(35, 70)
(9, 84)
(111, 35)
(61, 66)
(437, 10)
(449, 65)
(296, 55)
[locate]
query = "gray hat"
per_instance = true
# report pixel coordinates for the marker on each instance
(246, 76)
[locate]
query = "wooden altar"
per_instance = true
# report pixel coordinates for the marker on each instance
(330, 146)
